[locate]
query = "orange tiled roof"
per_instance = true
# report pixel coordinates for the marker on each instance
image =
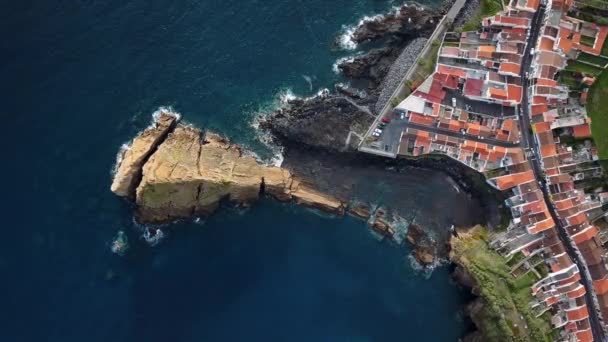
(508, 67)
(514, 92)
(601, 286)
(584, 335)
(548, 150)
(578, 218)
(543, 225)
(546, 44)
(509, 181)
(444, 69)
(582, 131)
(577, 292)
(422, 119)
(496, 93)
(542, 127)
(585, 235)
(539, 108)
(578, 314)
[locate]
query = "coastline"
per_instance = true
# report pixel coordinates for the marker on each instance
(465, 179)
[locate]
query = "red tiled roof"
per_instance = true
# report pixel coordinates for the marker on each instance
(514, 92)
(584, 335)
(585, 235)
(582, 131)
(538, 109)
(422, 119)
(578, 314)
(601, 286)
(473, 87)
(509, 68)
(580, 291)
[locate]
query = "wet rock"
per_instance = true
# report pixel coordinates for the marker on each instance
(323, 122)
(424, 248)
(360, 210)
(406, 20)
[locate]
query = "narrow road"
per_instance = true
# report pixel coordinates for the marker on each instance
(529, 141)
(400, 91)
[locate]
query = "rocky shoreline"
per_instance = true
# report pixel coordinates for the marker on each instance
(174, 171)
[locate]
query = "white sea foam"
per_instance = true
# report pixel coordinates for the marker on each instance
(339, 61)
(121, 153)
(346, 39)
(286, 95)
(308, 80)
(162, 110)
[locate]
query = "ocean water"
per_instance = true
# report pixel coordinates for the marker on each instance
(80, 78)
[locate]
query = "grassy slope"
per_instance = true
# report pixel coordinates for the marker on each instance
(487, 8)
(506, 298)
(597, 108)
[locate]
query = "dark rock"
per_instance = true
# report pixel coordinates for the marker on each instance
(425, 248)
(323, 121)
(405, 21)
(360, 210)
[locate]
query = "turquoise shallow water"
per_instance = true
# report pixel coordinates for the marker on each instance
(82, 77)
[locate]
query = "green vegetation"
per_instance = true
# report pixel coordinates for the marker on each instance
(583, 68)
(568, 78)
(515, 259)
(588, 14)
(506, 311)
(605, 49)
(597, 108)
(589, 58)
(586, 40)
(487, 8)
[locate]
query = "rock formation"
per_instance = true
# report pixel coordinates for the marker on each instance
(177, 171)
(406, 20)
(425, 249)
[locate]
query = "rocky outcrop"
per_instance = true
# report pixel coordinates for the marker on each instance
(323, 121)
(406, 20)
(128, 171)
(189, 173)
(425, 248)
(361, 211)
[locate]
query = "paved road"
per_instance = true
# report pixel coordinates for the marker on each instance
(528, 141)
(400, 91)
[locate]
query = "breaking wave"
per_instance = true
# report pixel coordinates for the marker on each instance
(346, 39)
(127, 145)
(162, 110)
(336, 66)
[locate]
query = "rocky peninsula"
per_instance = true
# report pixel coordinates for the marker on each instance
(175, 171)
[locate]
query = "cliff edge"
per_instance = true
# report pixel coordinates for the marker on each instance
(175, 171)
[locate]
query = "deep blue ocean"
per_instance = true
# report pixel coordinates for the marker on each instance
(80, 78)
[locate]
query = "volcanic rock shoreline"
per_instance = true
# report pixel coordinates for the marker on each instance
(173, 171)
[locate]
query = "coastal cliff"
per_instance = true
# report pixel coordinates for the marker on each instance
(501, 309)
(174, 171)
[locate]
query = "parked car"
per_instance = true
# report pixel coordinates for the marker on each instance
(385, 120)
(376, 134)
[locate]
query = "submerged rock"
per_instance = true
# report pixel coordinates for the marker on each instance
(120, 245)
(189, 173)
